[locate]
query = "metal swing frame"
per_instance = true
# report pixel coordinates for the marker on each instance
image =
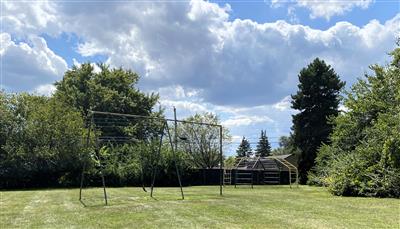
(164, 131)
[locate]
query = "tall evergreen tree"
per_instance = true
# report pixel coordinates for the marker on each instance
(244, 149)
(263, 147)
(317, 100)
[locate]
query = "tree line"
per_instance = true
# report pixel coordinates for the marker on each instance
(356, 150)
(46, 141)
(263, 148)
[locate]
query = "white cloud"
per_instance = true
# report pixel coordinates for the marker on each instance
(284, 104)
(240, 62)
(237, 138)
(195, 45)
(22, 18)
(177, 92)
(329, 8)
(243, 120)
(185, 106)
(96, 68)
(45, 89)
(27, 65)
(324, 8)
(193, 54)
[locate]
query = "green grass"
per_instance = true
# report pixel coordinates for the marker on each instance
(261, 207)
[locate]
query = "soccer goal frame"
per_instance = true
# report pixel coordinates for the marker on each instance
(164, 132)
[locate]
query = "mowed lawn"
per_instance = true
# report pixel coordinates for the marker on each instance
(261, 207)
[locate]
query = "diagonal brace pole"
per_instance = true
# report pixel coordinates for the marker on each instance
(157, 159)
(176, 163)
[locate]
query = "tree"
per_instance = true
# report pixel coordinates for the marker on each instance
(202, 142)
(317, 101)
(111, 90)
(263, 147)
(286, 146)
(229, 162)
(41, 141)
(244, 149)
(363, 158)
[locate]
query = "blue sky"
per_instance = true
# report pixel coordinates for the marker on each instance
(262, 12)
(238, 59)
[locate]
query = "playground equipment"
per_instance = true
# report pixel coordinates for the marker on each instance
(268, 169)
(107, 129)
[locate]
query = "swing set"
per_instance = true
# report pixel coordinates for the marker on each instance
(107, 129)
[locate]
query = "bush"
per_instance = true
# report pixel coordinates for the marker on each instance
(363, 158)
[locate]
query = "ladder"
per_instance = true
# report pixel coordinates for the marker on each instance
(227, 177)
(293, 172)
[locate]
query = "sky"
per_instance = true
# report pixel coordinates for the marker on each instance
(238, 59)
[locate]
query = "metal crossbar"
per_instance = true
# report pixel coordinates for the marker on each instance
(155, 118)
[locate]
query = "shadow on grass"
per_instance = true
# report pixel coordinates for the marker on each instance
(94, 205)
(37, 189)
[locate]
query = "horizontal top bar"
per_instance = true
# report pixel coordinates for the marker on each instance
(155, 118)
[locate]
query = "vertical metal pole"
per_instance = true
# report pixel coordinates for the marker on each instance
(252, 178)
(102, 175)
(142, 177)
(176, 164)
(101, 169)
(221, 164)
(175, 131)
(157, 158)
(89, 125)
(235, 176)
(104, 187)
(82, 177)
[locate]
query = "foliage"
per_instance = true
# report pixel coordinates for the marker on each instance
(229, 162)
(317, 100)
(113, 90)
(263, 147)
(244, 149)
(286, 146)
(364, 157)
(202, 142)
(42, 141)
(109, 90)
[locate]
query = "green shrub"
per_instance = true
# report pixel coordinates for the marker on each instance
(363, 158)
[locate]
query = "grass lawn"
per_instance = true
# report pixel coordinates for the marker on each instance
(261, 207)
